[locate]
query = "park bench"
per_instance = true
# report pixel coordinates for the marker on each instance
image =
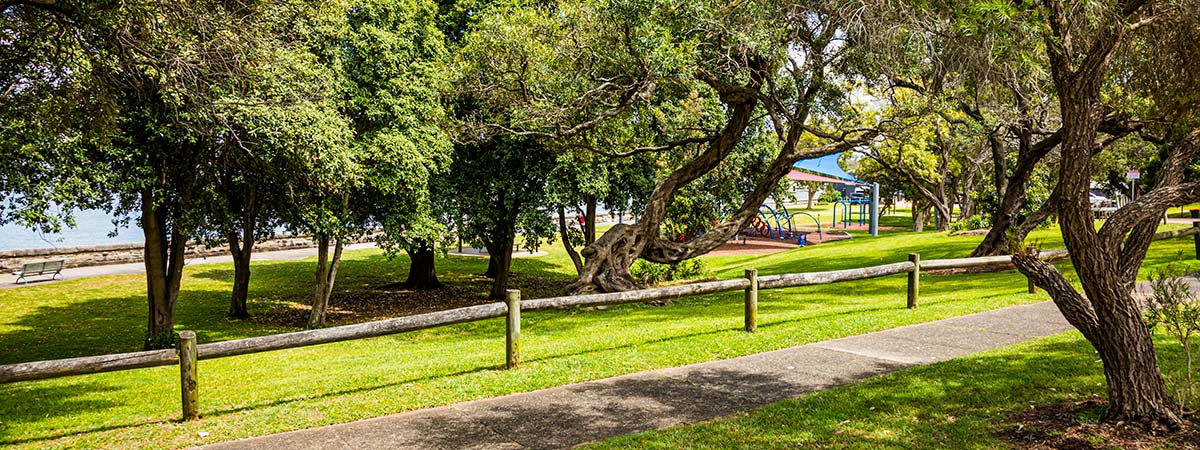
(52, 268)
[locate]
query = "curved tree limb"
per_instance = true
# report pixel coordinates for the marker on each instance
(1077, 310)
(664, 251)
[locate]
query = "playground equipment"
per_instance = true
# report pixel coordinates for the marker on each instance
(762, 225)
(849, 208)
(866, 207)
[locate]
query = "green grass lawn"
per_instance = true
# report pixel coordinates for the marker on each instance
(958, 404)
(803, 218)
(1183, 211)
(299, 388)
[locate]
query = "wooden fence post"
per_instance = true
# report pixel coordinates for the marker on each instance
(752, 300)
(187, 374)
(914, 280)
(513, 337)
(1196, 237)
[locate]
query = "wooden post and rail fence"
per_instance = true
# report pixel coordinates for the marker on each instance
(189, 353)
(1196, 227)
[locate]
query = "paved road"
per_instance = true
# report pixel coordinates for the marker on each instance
(567, 416)
(7, 279)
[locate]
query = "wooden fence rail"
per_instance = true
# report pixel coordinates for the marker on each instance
(833, 276)
(188, 352)
(39, 370)
(644, 295)
(349, 332)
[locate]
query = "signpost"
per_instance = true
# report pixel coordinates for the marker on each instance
(1133, 176)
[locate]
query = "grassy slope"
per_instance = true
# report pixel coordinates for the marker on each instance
(279, 391)
(958, 404)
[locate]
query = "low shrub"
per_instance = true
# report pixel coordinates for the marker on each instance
(647, 272)
(1174, 309)
(976, 222)
(830, 196)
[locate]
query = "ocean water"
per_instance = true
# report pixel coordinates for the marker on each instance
(91, 228)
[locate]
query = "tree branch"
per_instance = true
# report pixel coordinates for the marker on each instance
(1077, 310)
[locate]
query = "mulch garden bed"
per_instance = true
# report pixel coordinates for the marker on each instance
(385, 302)
(762, 246)
(1076, 426)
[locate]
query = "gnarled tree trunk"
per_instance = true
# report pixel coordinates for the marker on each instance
(611, 256)
(1006, 220)
(1135, 386)
(1107, 260)
(609, 260)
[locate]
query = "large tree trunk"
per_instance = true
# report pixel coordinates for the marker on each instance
(564, 233)
(996, 241)
(1110, 319)
(422, 272)
(942, 218)
(920, 216)
(501, 263)
(609, 258)
(493, 264)
(1136, 390)
(241, 248)
(327, 268)
(1105, 261)
(589, 225)
(163, 257)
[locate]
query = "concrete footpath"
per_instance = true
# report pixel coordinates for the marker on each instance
(567, 416)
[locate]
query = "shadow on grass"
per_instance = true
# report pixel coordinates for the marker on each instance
(890, 247)
(116, 323)
(30, 403)
(83, 326)
(954, 404)
(64, 405)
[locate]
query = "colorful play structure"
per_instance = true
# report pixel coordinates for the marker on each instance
(850, 207)
(761, 225)
(778, 222)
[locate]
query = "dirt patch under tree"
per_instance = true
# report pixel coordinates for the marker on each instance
(1076, 426)
(385, 302)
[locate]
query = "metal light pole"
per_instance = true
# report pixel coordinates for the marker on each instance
(874, 209)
